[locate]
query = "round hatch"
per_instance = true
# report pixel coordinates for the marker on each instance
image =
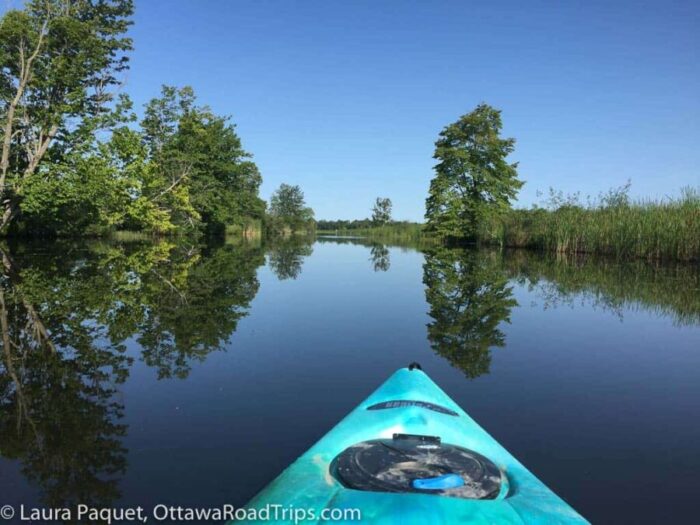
(412, 463)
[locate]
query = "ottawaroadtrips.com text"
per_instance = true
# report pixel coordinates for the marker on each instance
(82, 513)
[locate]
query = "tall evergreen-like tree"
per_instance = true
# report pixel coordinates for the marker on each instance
(473, 181)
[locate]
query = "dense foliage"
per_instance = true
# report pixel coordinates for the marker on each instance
(394, 230)
(183, 170)
(344, 224)
(205, 173)
(58, 61)
(74, 161)
(473, 181)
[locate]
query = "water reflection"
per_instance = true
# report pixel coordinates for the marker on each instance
(58, 412)
(286, 256)
(469, 296)
(67, 314)
(379, 255)
(666, 290)
(192, 306)
(65, 318)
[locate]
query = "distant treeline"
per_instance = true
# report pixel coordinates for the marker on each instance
(361, 224)
(391, 230)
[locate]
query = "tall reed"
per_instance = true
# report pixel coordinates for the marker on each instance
(613, 225)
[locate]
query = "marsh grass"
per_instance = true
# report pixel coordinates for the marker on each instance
(613, 225)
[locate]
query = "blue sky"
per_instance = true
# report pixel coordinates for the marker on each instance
(346, 98)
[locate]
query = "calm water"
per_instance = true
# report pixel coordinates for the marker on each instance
(140, 374)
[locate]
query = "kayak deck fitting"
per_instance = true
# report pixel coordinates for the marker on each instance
(409, 454)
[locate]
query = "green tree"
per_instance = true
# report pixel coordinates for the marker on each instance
(473, 181)
(288, 209)
(381, 211)
(201, 161)
(97, 185)
(58, 61)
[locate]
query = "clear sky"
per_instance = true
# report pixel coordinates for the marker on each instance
(346, 98)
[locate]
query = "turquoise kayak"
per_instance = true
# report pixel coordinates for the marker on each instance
(408, 454)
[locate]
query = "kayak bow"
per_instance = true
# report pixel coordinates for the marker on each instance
(409, 454)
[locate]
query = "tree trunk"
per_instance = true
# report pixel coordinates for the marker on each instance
(9, 212)
(9, 205)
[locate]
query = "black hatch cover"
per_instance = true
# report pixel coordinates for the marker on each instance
(413, 463)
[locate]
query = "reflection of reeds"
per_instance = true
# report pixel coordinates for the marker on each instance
(671, 290)
(645, 229)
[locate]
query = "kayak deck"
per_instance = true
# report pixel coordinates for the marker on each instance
(410, 403)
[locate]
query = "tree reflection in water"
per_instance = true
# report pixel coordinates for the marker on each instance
(379, 255)
(286, 256)
(65, 317)
(59, 416)
(66, 314)
(470, 294)
(469, 297)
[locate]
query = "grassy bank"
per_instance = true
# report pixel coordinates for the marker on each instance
(654, 230)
